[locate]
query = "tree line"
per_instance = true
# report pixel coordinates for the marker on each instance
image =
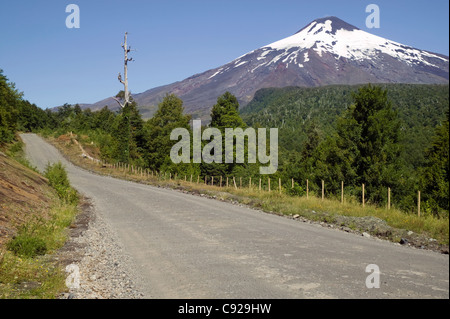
(365, 144)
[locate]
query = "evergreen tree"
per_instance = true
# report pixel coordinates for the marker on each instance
(129, 135)
(368, 135)
(435, 174)
(169, 116)
(225, 114)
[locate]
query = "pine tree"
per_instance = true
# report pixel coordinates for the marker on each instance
(225, 114)
(435, 174)
(128, 134)
(170, 115)
(368, 135)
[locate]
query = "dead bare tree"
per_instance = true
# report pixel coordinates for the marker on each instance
(126, 49)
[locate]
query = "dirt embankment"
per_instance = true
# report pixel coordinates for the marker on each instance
(24, 195)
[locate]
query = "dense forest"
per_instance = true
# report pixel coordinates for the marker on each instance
(394, 136)
(313, 121)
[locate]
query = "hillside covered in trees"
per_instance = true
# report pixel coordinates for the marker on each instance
(315, 122)
(382, 136)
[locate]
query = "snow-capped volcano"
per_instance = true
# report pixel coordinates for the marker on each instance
(334, 36)
(326, 51)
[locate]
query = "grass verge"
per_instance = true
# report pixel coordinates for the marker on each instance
(27, 269)
(48, 206)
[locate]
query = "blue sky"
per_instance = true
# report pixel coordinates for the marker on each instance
(174, 39)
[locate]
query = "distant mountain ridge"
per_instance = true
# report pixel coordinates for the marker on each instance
(327, 51)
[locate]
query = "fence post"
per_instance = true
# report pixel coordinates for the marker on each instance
(198, 179)
(260, 184)
(250, 183)
(363, 196)
(342, 192)
(418, 203)
(323, 189)
(240, 182)
(279, 184)
(220, 182)
(268, 181)
(227, 181)
(234, 182)
(307, 189)
(389, 198)
(292, 183)
(212, 180)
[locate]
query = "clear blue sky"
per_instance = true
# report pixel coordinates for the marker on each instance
(175, 39)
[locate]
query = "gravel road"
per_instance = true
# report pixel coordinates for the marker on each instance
(147, 242)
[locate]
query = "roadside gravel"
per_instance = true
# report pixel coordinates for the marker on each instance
(105, 271)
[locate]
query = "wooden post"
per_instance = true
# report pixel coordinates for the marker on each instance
(389, 198)
(363, 196)
(124, 81)
(342, 192)
(279, 184)
(212, 180)
(323, 189)
(198, 179)
(227, 181)
(260, 184)
(292, 183)
(250, 183)
(190, 179)
(418, 203)
(234, 181)
(307, 189)
(268, 181)
(240, 182)
(220, 182)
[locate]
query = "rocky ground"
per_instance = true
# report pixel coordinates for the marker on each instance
(93, 251)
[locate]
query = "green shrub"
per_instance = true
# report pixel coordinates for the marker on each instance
(26, 245)
(57, 178)
(296, 191)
